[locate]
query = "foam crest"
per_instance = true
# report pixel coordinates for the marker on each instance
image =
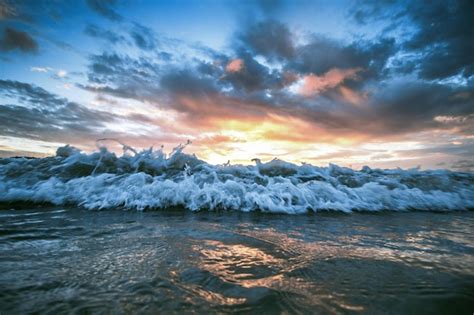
(151, 179)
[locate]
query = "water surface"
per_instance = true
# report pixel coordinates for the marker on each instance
(63, 260)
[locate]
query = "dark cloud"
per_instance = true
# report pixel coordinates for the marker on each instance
(125, 77)
(319, 55)
(105, 8)
(118, 69)
(442, 43)
(45, 116)
(269, 38)
(444, 38)
(464, 165)
(253, 76)
(413, 106)
(393, 110)
(371, 103)
(193, 89)
(143, 37)
(323, 54)
(185, 82)
(31, 95)
(15, 39)
(97, 32)
(367, 11)
(7, 10)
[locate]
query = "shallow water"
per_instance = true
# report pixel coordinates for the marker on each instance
(59, 260)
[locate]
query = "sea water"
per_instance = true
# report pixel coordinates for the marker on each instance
(68, 260)
(150, 233)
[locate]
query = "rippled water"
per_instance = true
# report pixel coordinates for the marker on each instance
(56, 260)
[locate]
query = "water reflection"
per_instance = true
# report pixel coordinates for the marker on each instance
(124, 262)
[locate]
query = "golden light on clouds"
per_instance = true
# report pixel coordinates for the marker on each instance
(290, 138)
(235, 65)
(312, 84)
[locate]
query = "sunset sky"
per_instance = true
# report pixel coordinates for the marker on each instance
(379, 83)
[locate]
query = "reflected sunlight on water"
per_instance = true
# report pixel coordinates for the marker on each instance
(72, 260)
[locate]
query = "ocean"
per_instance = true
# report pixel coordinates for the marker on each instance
(70, 260)
(153, 233)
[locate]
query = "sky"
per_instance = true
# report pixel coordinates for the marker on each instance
(380, 83)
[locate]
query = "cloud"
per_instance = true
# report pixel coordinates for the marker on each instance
(125, 77)
(411, 106)
(353, 94)
(40, 69)
(30, 95)
(15, 39)
(269, 38)
(105, 8)
(234, 65)
(207, 92)
(441, 42)
(61, 73)
(464, 165)
(45, 116)
(253, 76)
(444, 38)
(97, 32)
(185, 82)
(322, 54)
(7, 10)
(143, 37)
(312, 84)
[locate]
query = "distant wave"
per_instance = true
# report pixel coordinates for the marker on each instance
(152, 180)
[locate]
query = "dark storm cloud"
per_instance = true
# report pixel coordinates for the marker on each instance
(97, 32)
(270, 38)
(14, 39)
(442, 40)
(105, 8)
(45, 116)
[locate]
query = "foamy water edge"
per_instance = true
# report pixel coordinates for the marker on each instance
(154, 180)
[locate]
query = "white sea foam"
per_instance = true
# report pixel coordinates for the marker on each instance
(152, 179)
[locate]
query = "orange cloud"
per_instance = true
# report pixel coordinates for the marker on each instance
(352, 96)
(235, 65)
(313, 84)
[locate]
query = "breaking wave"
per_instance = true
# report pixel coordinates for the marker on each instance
(153, 179)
